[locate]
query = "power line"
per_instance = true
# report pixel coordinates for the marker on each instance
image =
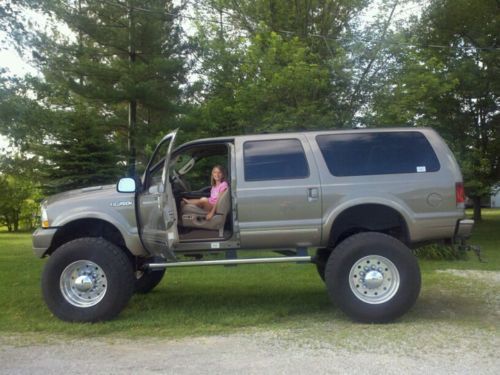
(293, 33)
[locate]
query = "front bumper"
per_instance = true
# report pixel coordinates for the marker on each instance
(463, 230)
(42, 239)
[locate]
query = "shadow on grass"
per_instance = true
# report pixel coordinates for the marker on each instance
(235, 306)
(215, 298)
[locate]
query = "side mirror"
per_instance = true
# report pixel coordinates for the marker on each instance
(126, 185)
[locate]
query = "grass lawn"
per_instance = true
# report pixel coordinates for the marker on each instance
(215, 300)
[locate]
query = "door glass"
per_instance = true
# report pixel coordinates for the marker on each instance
(155, 166)
(279, 159)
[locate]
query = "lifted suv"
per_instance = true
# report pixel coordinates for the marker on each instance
(362, 198)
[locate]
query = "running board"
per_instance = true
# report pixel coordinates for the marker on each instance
(222, 262)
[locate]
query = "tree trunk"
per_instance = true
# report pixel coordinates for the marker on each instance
(16, 221)
(132, 119)
(132, 107)
(477, 208)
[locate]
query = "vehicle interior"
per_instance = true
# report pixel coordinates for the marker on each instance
(190, 175)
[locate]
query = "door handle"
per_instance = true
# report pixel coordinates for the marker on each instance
(312, 194)
(150, 199)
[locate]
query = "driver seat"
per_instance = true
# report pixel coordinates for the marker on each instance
(193, 216)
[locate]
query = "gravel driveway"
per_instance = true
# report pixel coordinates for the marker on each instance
(441, 342)
(261, 353)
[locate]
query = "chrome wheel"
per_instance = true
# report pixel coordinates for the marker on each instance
(374, 279)
(83, 283)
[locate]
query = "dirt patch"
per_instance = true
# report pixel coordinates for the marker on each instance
(486, 276)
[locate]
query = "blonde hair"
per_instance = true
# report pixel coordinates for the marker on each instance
(222, 170)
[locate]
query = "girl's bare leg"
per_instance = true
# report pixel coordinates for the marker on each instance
(202, 203)
(205, 205)
(190, 201)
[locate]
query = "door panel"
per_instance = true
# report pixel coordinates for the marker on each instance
(157, 214)
(279, 195)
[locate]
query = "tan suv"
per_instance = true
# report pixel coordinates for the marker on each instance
(363, 198)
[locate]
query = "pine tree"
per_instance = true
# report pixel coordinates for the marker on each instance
(110, 87)
(125, 57)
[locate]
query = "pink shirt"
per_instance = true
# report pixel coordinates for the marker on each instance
(215, 191)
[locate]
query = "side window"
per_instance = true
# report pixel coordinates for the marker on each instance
(155, 166)
(277, 159)
(361, 154)
(156, 174)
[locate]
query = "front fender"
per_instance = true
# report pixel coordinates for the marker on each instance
(114, 217)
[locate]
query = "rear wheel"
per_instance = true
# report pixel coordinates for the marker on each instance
(373, 277)
(87, 280)
(147, 280)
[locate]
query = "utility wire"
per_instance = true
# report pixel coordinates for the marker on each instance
(293, 33)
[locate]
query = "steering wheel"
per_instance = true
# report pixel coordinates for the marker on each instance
(178, 180)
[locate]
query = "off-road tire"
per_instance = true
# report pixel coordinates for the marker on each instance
(117, 273)
(148, 279)
(347, 287)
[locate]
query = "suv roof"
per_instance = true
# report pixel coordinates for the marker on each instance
(314, 132)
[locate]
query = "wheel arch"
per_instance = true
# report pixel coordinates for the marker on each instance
(89, 227)
(368, 217)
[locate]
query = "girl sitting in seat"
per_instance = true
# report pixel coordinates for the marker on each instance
(219, 185)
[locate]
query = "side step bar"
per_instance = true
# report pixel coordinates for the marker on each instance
(159, 266)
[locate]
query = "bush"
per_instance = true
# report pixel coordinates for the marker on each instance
(440, 252)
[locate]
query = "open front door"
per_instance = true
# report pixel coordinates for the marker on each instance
(156, 210)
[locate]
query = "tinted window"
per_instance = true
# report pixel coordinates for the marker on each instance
(360, 154)
(274, 160)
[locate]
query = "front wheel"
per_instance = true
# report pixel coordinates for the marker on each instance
(322, 255)
(373, 277)
(87, 280)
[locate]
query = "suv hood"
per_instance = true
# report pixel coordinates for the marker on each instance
(84, 193)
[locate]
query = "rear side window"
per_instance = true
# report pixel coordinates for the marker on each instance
(277, 159)
(361, 154)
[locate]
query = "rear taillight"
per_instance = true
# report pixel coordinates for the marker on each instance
(460, 194)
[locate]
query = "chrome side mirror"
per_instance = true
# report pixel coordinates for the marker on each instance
(126, 185)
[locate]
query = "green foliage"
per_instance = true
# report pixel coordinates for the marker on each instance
(452, 85)
(109, 87)
(279, 86)
(126, 59)
(113, 78)
(19, 194)
(283, 86)
(265, 69)
(81, 153)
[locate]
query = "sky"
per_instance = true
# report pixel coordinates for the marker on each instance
(10, 60)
